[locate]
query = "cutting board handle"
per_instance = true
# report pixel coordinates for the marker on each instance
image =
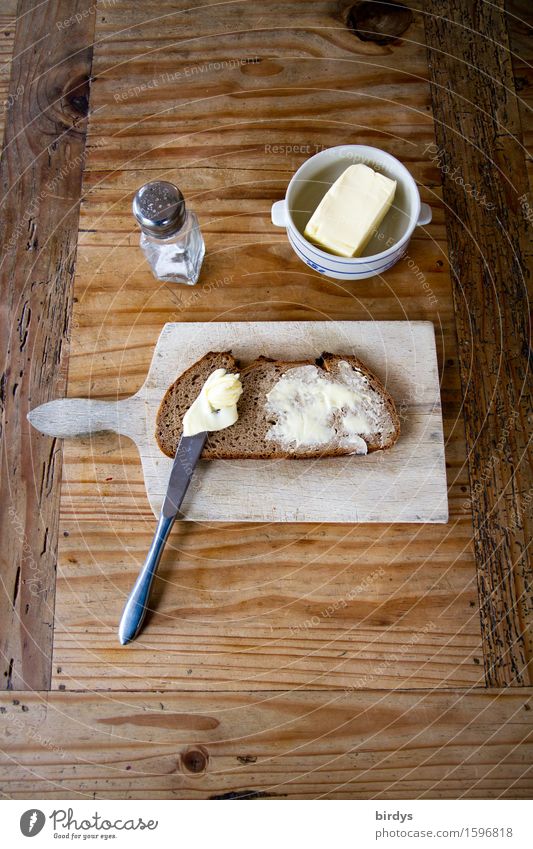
(75, 417)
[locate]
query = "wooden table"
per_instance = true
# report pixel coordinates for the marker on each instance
(261, 673)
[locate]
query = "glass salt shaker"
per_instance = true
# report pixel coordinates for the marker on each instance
(170, 239)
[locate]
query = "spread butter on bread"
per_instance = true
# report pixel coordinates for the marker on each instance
(329, 407)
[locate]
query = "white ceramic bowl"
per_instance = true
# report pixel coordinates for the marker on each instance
(310, 184)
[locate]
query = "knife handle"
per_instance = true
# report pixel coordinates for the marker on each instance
(137, 603)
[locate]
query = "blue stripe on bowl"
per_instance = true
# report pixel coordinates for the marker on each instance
(304, 245)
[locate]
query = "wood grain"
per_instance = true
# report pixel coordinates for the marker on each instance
(359, 745)
(329, 608)
(261, 606)
(40, 176)
(407, 484)
(226, 85)
(479, 138)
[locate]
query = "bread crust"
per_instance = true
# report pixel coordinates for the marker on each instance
(376, 384)
(184, 390)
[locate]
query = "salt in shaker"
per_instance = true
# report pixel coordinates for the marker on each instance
(170, 237)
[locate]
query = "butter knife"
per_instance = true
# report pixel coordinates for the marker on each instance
(187, 456)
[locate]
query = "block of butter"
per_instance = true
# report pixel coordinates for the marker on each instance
(351, 211)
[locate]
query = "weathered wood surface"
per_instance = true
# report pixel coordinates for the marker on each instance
(519, 20)
(478, 135)
(253, 607)
(40, 176)
(359, 745)
(8, 15)
(250, 606)
(405, 484)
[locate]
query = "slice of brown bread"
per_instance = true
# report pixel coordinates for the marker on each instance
(251, 436)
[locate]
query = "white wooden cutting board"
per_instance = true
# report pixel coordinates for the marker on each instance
(404, 484)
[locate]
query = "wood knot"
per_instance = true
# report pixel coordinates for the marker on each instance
(75, 98)
(195, 760)
(381, 23)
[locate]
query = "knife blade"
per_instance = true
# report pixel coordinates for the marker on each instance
(187, 455)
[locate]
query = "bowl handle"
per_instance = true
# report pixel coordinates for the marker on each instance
(277, 213)
(425, 215)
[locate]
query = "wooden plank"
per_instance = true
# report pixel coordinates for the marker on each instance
(40, 177)
(8, 15)
(234, 84)
(239, 606)
(247, 607)
(358, 745)
(478, 144)
(407, 484)
(243, 607)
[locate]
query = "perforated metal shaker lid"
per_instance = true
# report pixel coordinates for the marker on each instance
(159, 207)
